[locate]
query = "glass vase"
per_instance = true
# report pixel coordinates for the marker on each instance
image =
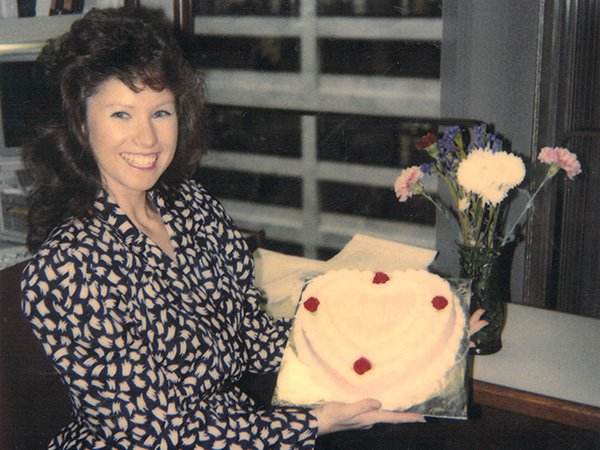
(490, 277)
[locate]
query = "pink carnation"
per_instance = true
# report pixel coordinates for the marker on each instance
(407, 184)
(563, 157)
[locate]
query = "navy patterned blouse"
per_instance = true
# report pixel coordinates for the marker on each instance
(150, 348)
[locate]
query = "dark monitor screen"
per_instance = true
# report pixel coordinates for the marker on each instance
(17, 100)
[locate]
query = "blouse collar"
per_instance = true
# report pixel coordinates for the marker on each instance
(111, 212)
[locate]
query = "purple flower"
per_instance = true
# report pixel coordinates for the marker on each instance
(483, 139)
(496, 144)
(427, 168)
(481, 133)
(446, 142)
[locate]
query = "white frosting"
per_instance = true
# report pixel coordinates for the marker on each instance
(410, 344)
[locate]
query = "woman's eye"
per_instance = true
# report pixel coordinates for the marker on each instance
(162, 113)
(120, 115)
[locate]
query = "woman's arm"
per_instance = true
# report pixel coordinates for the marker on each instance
(118, 389)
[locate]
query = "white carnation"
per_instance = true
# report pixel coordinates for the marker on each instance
(490, 175)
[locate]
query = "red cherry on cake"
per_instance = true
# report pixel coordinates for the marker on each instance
(439, 302)
(362, 365)
(311, 303)
(380, 278)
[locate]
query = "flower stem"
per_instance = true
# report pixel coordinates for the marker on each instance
(479, 217)
(508, 236)
(438, 206)
(455, 199)
(493, 223)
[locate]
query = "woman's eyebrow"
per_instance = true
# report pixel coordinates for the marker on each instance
(128, 106)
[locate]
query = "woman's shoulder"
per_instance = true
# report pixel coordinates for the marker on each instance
(193, 189)
(76, 252)
(84, 231)
(192, 194)
(76, 239)
(192, 200)
(65, 249)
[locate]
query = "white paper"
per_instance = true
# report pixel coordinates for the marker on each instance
(365, 252)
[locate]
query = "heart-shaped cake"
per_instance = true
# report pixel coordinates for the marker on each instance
(360, 334)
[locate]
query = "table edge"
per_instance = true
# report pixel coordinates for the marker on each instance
(536, 405)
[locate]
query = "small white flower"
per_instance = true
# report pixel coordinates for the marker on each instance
(463, 204)
(490, 175)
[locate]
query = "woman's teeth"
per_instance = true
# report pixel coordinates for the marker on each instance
(140, 161)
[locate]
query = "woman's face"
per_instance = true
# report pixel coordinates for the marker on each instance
(133, 135)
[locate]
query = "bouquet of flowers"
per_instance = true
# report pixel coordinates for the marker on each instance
(480, 176)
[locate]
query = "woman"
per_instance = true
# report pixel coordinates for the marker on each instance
(141, 287)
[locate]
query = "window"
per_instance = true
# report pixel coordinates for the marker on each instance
(316, 105)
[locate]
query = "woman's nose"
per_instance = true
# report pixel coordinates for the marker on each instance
(146, 134)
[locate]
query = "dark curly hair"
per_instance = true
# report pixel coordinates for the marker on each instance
(138, 48)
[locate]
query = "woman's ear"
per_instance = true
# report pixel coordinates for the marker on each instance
(83, 134)
(84, 137)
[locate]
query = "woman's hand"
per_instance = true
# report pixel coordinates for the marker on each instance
(337, 416)
(476, 323)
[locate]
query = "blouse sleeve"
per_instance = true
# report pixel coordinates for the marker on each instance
(120, 393)
(266, 337)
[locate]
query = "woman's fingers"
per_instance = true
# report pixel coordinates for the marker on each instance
(337, 416)
(476, 323)
(362, 406)
(476, 316)
(381, 416)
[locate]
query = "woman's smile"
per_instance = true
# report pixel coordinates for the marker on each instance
(141, 160)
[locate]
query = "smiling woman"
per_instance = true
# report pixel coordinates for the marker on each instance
(141, 288)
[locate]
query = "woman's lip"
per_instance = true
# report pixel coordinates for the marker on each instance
(140, 160)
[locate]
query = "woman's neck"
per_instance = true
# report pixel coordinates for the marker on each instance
(146, 218)
(135, 205)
